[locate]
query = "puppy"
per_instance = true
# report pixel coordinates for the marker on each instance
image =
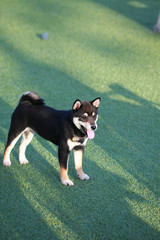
(69, 130)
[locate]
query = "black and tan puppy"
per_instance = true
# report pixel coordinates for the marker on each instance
(69, 130)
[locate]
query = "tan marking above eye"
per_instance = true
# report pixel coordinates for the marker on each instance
(93, 114)
(85, 114)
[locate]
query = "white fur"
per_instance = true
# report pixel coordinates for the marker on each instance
(6, 157)
(67, 182)
(25, 141)
(26, 93)
(77, 122)
(72, 144)
(87, 125)
(83, 176)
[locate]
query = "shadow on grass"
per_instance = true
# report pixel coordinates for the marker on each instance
(19, 219)
(135, 122)
(143, 12)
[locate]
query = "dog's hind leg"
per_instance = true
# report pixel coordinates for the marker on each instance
(9, 146)
(26, 139)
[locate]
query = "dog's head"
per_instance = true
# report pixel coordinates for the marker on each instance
(85, 116)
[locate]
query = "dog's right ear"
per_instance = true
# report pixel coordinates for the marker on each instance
(76, 105)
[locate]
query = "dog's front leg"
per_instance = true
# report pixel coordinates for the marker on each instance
(63, 155)
(78, 158)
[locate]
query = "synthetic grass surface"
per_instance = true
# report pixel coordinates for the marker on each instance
(95, 48)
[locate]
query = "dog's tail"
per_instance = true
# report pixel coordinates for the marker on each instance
(32, 97)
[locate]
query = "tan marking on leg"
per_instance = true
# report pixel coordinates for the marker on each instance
(6, 156)
(78, 158)
(64, 176)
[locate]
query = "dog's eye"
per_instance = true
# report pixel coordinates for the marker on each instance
(83, 118)
(94, 116)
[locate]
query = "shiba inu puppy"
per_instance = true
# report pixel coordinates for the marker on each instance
(69, 130)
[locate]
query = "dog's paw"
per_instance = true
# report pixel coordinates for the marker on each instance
(6, 162)
(83, 176)
(23, 161)
(67, 182)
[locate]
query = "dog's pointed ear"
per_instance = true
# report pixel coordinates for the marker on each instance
(96, 102)
(76, 105)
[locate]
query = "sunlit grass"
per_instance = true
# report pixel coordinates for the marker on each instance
(95, 48)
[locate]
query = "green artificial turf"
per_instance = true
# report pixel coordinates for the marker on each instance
(104, 49)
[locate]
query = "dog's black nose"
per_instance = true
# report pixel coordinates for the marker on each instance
(93, 127)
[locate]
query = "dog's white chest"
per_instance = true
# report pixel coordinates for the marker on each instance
(72, 143)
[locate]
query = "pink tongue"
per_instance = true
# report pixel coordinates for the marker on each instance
(90, 134)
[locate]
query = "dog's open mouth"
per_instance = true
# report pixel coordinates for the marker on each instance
(90, 133)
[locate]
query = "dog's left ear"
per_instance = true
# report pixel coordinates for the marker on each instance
(76, 105)
(96, 102)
